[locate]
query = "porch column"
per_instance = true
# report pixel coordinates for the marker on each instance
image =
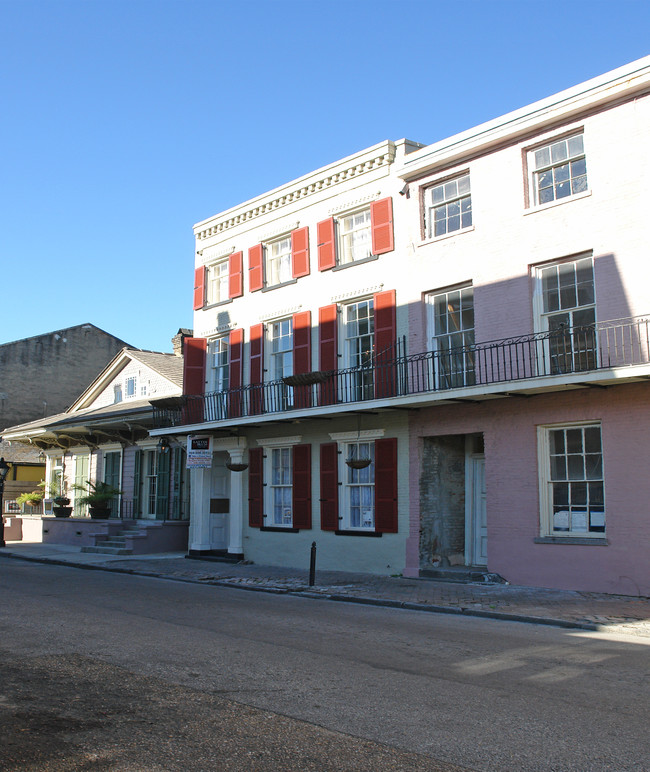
(200, 510)
(237, 512)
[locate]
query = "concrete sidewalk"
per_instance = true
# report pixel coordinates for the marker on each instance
(563, 608)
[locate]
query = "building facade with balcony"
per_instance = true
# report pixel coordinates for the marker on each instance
(428, 358)
(529, 238)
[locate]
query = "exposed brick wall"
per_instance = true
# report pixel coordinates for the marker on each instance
(43, 375)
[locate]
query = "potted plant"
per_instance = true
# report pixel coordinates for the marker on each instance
(32, 499)
(99, 496)
(60, 502)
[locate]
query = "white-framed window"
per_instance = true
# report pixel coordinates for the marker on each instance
(218, 365)
(280, 362)
(359, 337)
(572, 480)
(277, 265)
(567, 308)
(131, 386)
(354, 237)
(217, 278)
(451, 325)
(448, 206)
(117, 393)
(280, 487)
(558, 170)
(359, 486)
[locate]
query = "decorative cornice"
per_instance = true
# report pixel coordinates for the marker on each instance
(351, 204)
(364, 434)
(209, 254)
(280, 314)
(356, 293)
(278, 442)
(219, 329)
(279, 230)
(309, 188)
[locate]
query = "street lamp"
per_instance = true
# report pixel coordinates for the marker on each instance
(4, 471)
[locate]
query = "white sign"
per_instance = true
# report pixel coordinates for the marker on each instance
(199, 451)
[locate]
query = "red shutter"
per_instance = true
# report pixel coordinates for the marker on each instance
(257, 363)
(235, 345)
(236, 275)
(385, 344)
(302, 356)
(194, 355)
(302, 486)
(256, 268)
(255, 487)
(329, 487)
(386, 485)
(300, 253)
(302, 342)
(328, 360)
(381, 218)
(199, 288)
(326, 238)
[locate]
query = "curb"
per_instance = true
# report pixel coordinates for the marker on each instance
(311, 595)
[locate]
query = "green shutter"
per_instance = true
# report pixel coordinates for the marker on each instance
(137, 482)
(177, 483)
(112, 478)
(162, 486)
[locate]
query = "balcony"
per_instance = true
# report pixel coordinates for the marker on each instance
(561, 358)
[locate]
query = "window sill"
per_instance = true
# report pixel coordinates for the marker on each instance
(216, 305)
(355, 262)
(435, 239)
(558, 202)
(595, 541)
(277, 286)
(279, 529)
(375, 534)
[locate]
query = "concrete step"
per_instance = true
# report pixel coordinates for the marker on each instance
(107, 550)
(462, 575)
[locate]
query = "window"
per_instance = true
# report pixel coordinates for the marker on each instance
(217, 279)
(568, 313)
(572, 481)
(359, 486)
(278, 262)
(355, 241)
(448, 207)
(281, 363)
(279, 484)
(117, 393)
(280, 489)
(359, 349)
(559, 170)
(131, 385)
(218, 378)
(451, 321)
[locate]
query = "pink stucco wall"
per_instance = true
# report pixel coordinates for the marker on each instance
(510, 432)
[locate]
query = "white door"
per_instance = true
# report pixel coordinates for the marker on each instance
(219, 493)
(479, 512)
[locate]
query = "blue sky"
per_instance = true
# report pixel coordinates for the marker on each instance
(124, 123)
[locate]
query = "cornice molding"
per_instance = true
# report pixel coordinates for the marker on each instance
(309, 188)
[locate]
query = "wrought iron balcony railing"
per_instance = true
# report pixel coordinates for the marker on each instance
(559, 352)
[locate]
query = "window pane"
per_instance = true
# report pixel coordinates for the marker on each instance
(574, 440)
(557, 441)
(592, 439)
(576, 146)
(542, 157)
(559, 151)
(575, 467)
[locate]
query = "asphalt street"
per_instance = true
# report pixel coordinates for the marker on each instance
(327, 681)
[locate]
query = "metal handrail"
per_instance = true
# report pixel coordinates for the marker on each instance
(555, 353)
